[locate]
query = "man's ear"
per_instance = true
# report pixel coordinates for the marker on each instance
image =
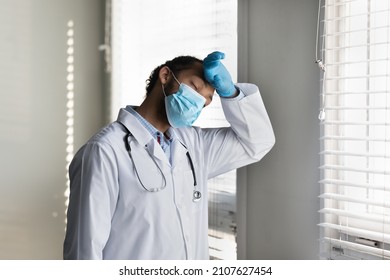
(164, 75)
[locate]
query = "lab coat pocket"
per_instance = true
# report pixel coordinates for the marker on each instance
(184, 190)
(196, 206)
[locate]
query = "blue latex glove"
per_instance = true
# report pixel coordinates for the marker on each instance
(217, 75)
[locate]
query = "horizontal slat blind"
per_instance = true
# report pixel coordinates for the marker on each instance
(355, 130)
(356, 154)
(351, 214)
(350, 198)
(364, 249)
(340, 183)
(370, 235)
(356, 169)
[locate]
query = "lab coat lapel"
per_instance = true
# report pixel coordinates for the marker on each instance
(158, 152)
(143, 137)
(178, 153)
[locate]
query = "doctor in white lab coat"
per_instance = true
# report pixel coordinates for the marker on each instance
(139, 186)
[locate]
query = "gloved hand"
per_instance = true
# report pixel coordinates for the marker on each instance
(217, 75)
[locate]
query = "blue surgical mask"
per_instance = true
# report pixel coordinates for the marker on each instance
(184, 106)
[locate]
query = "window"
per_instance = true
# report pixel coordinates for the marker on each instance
(147, 33)
(355, 128)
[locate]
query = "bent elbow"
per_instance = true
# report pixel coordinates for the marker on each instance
(263, 147)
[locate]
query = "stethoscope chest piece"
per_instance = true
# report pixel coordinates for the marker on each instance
(196, 196)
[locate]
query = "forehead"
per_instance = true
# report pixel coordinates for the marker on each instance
(195, 70)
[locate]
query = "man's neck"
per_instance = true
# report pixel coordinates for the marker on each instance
(153, 110)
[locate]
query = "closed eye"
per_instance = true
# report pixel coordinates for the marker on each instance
(195, 87)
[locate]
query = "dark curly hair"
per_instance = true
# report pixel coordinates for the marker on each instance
(176, 65)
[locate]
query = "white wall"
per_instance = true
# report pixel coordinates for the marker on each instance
(33, 94)
(277, 41)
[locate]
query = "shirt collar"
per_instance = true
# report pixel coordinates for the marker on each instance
(170, 134)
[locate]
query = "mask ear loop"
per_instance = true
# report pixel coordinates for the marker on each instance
(162, 86)
(174, 76)
(163, 89)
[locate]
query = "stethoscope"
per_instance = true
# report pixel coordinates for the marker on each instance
(197, 195)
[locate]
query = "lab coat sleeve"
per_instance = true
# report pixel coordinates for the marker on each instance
(249, 138)
(93, 196)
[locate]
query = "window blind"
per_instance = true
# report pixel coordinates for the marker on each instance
(146, 33)
(355, 129)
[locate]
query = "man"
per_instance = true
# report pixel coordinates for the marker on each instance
(139, 186)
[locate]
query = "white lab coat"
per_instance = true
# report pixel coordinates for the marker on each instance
(111, 216)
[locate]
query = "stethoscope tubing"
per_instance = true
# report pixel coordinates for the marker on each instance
(164, 184)
(196, 194)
